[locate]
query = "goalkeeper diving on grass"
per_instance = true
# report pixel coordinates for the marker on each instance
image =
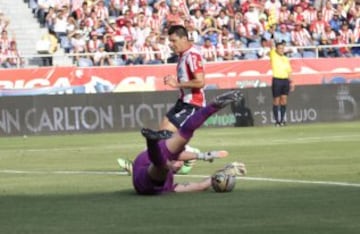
(154, 168)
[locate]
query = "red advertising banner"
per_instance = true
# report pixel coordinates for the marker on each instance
(235, 74)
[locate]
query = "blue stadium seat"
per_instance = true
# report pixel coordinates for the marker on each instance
(250, 55)
(254, 44)
(308, 54)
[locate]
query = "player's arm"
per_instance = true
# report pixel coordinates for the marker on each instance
(193, 186)
(198, 82)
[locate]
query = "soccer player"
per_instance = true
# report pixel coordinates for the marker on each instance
(153, 170)
(190, 81)
(191, 156)
(281, 82)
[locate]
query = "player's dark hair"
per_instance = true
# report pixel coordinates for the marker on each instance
(178, 30)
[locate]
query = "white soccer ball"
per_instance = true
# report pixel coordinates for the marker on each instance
(222, 182)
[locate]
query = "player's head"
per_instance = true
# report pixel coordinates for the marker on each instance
(178, 37)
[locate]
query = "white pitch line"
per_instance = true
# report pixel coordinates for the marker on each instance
(346, 184)
(263, 179)
(298, 140)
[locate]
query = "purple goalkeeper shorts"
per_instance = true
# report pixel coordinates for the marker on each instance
(142, 182)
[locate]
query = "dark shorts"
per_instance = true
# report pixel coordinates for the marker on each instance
(179, 113)
(280, 87)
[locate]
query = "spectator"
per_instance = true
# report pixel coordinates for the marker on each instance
(248, 32)
(194, 34)
(50, 18)
(51, 45)
(4, 22)
(13, 57)
(283, 35)
(5, 40)
(212, 34)
(208, 50)
(328, 34)
(115, 7)
(128, 30)
(356, 49)
(101, 57)
(238, 52)
(225, 50)
(264, 51)
(198, 19)
(252, 15)
(328, 11)
(173, 17)
(300, 36)
(212, 7)
(42, 10)
(102, 12)
(310, 14)
(222, 20)
(226, 33)
(130, 53)
(164, 49)
(327, 52)
(141, 32)
(284, 14)
(347, 34)
(317, 27)
(148, 53)
(336, 22)
(60, 25)
(343, 51)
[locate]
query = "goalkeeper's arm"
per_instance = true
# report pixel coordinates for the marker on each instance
(193, 186)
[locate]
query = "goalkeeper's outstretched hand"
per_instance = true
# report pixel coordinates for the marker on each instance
(235, 169)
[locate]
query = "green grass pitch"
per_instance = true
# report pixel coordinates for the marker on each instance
(301, 179)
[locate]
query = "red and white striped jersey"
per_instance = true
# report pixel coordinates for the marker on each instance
(318, 26)
(301, 37)
(310, 15)
(208, 52)
(291, 2)
(346, 35)
(190, 63)
(357, 34)
(154, 23)
(102, 12)
(283, 16)
(328, 13)
(329, 35)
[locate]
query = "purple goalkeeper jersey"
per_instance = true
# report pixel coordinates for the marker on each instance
(142, 182)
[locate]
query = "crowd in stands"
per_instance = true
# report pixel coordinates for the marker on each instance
(9, 54)
(223, 29)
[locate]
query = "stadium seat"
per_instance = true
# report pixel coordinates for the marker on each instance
(250, 56)
(254, 44)
(308, 54)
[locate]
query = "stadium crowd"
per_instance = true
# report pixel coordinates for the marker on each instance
(223, 29)
(9, 54)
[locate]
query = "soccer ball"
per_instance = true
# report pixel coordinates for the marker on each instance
(222, 182)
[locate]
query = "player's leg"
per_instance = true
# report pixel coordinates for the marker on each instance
(176, 143)
(172, 121)
(126, 164)
(166, 124)
(162, 151)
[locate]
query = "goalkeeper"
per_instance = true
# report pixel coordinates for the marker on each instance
(154, 168)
